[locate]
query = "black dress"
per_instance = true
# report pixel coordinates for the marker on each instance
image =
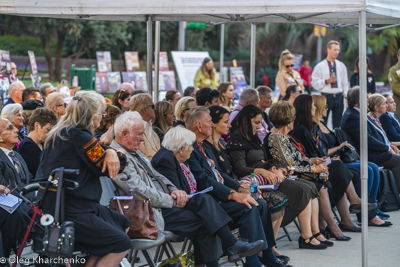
(98, 230)
(30, 152)
(339, 175)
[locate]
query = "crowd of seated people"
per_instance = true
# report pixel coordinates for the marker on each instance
(182, 145)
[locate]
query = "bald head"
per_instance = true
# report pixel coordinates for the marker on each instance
(15, 91)
(127, 86)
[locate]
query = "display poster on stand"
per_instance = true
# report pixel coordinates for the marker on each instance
(114, 81)
(137, 78)
(101, 82)
(166, 80)
(104, 61)
(238, 79)
(131, 61)
(297, 58)
(187, 63)
(34, 75)
(163, 56)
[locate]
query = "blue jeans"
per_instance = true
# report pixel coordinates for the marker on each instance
(373, 177)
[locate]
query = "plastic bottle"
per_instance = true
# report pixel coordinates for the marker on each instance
(254, 186)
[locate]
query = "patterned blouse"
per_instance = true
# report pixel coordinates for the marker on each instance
(280, 148)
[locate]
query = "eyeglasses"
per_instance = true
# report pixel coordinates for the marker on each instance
(299, 91)
(65, 105)
(152, 106)
(284, 172)
(326, 107)
(9, 128)
(103, 114)
(120, 90)
(289, 66)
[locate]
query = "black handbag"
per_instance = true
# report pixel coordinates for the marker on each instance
(347, 154)
(59, 237)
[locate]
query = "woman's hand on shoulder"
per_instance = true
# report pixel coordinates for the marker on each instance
(111, 163)
(267, 175)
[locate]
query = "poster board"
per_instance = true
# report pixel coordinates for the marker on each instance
(137, 78)
(101, 82)
(297, 58)
(104, 61)
(166, 80)
(4, 62)
(34, 75)
(187, 63)
(114, 81)
(238, 79)
(131, 61)
(163, 59)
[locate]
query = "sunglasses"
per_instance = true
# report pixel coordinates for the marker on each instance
(289, 66)
(120, 91)
(65, 105)
(152, 106)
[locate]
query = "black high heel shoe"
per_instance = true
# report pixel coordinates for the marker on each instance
(306, 243)
(326, 242)
(329, 234)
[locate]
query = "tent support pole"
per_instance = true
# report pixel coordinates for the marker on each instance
(253, 56)
(150, 54)
(362, 42)
(156, 61)
(221, 56)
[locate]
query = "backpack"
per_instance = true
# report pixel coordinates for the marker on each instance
(388, 194)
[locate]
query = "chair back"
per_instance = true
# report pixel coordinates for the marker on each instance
(109, 190)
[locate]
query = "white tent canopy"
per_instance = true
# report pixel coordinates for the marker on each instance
(292, 11)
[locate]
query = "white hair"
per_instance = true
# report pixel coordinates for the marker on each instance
(126, 121)
(247, 95)
(10, 110)
(177, 138)
(14, 86)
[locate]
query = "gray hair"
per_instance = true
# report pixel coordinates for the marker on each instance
(247, 95)
(194, 115)
(15, 86)
(10, 110)
(43, 88)
(126, 121)
(177, 138)
(263, 90)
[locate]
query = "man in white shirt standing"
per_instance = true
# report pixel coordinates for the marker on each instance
(330, 78)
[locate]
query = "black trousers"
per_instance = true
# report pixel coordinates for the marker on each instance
(393, 164)
(254, 224)
(336, 105)
(199, 220)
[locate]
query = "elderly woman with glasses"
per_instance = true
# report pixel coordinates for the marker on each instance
(13, 113)
(56, 103)
(287, 75)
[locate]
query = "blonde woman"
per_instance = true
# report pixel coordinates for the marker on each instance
(71, 144)
(287, 75)
(226, 95)
(206, 76)
(181, 109)
(164, 119)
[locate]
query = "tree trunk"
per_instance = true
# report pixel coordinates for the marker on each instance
(61, 34)
(46, 38)
(387, 62)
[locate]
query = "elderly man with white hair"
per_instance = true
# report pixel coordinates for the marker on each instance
(15, 90)
(174, 209)
(251, 216)
(248, 97)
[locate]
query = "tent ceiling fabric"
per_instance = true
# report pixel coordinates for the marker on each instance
(290, 11)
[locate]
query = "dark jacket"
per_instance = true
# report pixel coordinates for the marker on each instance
(30, 152)
(355, 80)
(378, 151)
(309, 142)
(205, 176)
(166, 163)
(9, 175)
(391, 127)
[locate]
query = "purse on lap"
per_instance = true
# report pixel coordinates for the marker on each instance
(141, 214)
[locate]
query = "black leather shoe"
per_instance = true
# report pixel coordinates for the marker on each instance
(386, 224)
(356, 208)
(277, 263)
(306, 243)
(329, 234)
(355, 228)
(283, 258)
(326, 242)
(243, 249)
